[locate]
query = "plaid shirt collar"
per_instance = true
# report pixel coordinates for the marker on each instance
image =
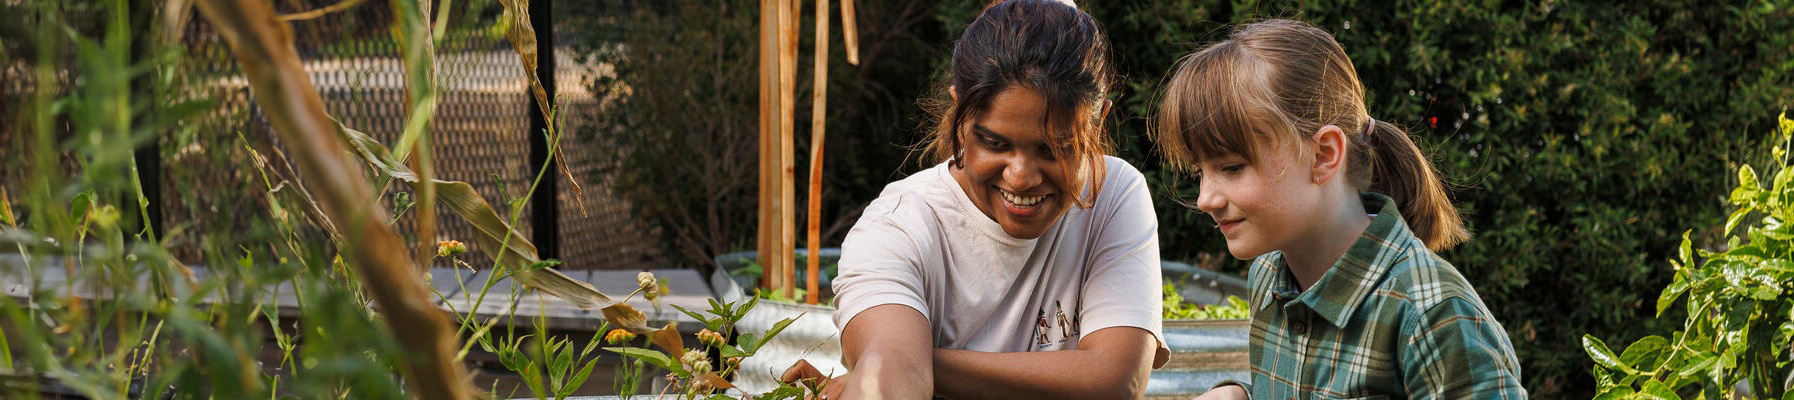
(1355, 276)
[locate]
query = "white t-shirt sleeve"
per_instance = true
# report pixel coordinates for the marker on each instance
(1123, 286)
(878, 266)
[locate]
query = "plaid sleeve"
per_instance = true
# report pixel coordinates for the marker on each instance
(1455, 350)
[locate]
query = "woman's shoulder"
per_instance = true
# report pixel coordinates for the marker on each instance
(913, 199)
(1121, 172)
(1123, 187)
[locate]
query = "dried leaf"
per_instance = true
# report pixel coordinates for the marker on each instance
(711, 379)
(523, 41)
(626, 317)
(668, 338)
(515, 252)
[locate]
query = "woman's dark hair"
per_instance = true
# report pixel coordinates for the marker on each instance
(1273, 84)
(1049, 47)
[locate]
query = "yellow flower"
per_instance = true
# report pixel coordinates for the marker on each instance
(618, 336)
(449, 248)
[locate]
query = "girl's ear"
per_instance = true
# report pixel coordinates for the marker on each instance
(1329, 147)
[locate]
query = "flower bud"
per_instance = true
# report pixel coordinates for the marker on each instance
(711, 338)
(618, 336)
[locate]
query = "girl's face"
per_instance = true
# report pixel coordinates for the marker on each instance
(1010, 172)
(1258, 206)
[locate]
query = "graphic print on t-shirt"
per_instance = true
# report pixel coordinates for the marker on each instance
(1053, 333)
(1067, 328)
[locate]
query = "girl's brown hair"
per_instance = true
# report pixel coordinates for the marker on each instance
(1273, 83)
(1044, 45)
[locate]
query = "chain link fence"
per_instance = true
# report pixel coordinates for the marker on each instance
(216, 166)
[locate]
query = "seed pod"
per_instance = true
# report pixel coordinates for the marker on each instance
(650, 286)
(695, 362)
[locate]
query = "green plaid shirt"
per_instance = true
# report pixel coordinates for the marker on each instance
(1390, 320)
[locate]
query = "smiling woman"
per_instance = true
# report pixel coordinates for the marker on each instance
(1026, 263)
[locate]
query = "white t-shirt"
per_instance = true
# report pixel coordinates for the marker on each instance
(923, 244)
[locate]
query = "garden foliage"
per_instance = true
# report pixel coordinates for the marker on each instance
(105, 310)
(1738, 303)
(1176, 308)
(1580, 136)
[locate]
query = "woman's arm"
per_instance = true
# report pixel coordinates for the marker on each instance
(887, 351)
(1111, 363)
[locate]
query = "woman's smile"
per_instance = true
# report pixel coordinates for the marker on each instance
(1022, 206)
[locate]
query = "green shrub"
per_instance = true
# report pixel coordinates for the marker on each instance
(1738, 323)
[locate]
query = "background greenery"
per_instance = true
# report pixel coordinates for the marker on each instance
(1584, 137)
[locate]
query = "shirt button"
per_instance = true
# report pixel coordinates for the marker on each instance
(1299, 328)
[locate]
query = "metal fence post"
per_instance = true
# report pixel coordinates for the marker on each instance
(545, 205)
(149, 155)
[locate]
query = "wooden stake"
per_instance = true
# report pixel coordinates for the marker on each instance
(788, 30)
(850, 32)
(766, 237)
(818, 112)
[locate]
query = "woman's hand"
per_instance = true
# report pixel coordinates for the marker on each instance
(827, 387)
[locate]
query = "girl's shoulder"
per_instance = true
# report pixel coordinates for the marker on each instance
(1427, 280)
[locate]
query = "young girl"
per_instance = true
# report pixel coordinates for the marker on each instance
(1025, 264)
(1342, 215)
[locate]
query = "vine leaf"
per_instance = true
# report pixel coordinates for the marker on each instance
(1598, 350)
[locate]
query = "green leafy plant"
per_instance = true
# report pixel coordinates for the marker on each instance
(1738, 302)
(1176, 308)
(691, 371)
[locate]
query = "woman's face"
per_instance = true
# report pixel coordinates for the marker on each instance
(1010, 172)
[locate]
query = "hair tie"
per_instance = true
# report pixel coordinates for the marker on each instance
(1370, 128)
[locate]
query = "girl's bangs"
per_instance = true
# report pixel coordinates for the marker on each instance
(1216, 106)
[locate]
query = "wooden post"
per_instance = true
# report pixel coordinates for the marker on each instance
(818, 107)
(766, 237)
(850, 32)
(787, 230)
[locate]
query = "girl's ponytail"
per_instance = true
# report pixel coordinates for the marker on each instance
(1400, 170)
